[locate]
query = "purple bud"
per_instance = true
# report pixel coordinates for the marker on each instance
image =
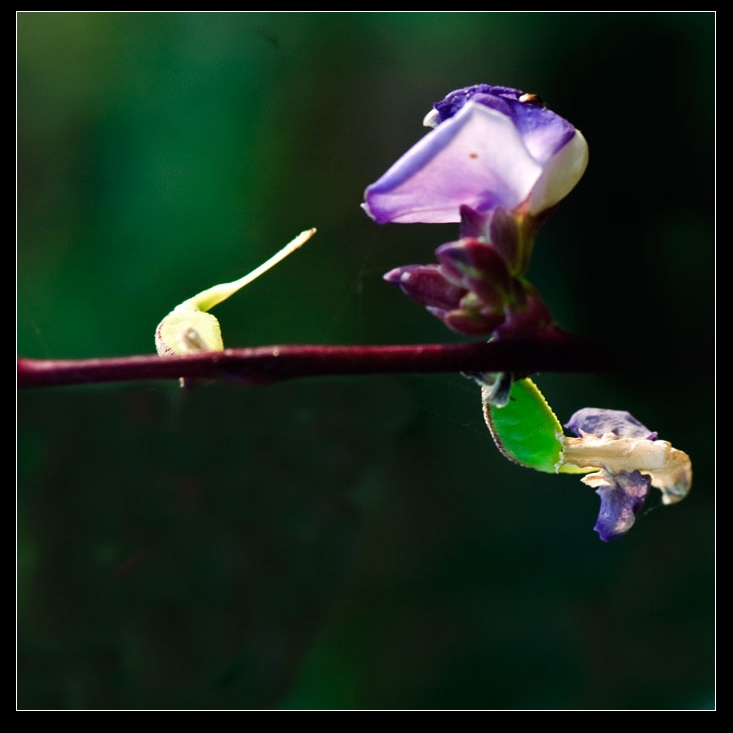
(469, 322)
(527, 313)
(477, 267)
(487, 306)
(504, 235)
(473, 224)
(427, 285)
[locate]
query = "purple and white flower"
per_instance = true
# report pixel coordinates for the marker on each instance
(491, 147)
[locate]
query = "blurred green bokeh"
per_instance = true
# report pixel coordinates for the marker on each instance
(348, 543)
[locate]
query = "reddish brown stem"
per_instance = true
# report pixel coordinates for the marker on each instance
(554, 352)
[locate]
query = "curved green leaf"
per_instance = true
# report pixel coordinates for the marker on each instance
(526, 429)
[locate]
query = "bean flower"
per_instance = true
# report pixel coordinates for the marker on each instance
(490, 147)
(625, 459)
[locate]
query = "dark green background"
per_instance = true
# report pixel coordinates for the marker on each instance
(348, 542)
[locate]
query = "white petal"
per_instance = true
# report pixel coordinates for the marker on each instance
(561, 175)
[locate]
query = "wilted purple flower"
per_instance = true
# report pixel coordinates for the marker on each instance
(491, 148)
(626, 459)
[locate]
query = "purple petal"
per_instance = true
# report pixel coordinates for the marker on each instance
(476, 158)
(561, 174)
(455, 100)
(621, 501)
(473, 224)
(597, 421)
(544, 131)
